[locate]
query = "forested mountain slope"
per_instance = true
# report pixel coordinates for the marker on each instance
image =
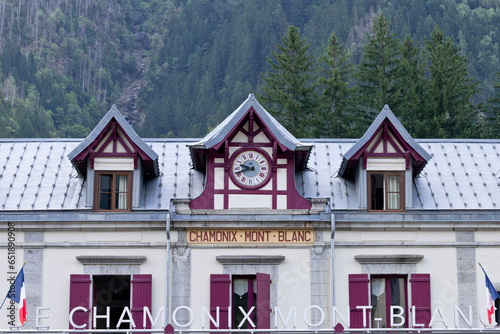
(177, 68)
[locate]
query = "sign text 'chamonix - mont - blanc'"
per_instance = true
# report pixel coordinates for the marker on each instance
(250, 236)
(397, 317)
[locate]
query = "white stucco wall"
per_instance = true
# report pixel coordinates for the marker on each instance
(293, 285)
(439, 260)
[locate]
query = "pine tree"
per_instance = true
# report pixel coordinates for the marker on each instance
(450, 89)
(409, 90)
(377, 69)
(493, 123)
(289, 86)
(337, 104)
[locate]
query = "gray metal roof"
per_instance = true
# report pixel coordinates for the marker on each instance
(36, 175)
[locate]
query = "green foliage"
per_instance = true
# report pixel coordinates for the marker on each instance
(289, 85)
(340, 117)
(377, 69)
(410, 91)
(196, 61)
(493, 117)
(450, 90)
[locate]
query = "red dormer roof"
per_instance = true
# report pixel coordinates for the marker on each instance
(216, 138)
(115, 130)
(386, 137)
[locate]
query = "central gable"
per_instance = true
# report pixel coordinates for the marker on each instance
(249, 162)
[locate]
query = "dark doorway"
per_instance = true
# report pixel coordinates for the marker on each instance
(112, 291)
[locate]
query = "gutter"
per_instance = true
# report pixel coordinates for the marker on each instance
(167, 276)
(332, 259)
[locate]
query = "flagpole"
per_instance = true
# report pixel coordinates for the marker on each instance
(3, 302)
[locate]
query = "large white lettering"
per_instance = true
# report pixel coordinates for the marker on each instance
(246, 316)
(364, 308)
(72, 323)
(413, 318)
(147, 315)
(96, 316)
(212, 320)
(399, 315)
(126, 311)
(321, 319)
(191, 316)
(484, 321)
(458, 311)
(292, 313)
(39, 316)
(441, 318)
(335, 312)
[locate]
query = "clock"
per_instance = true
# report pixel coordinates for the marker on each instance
(250, 168)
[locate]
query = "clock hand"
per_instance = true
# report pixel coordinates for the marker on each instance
(251, 167)
(243, 168)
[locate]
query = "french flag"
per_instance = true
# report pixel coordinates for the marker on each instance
(491, 295)
(18, 295)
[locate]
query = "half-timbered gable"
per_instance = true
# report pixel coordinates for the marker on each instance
(383, 163)
(250, 162)
(115, 161)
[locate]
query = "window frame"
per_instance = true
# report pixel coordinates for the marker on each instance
(418, 298)
(95, 298)
(81, 294)
(386, 175)
(97, 189)
(387, 292)
(221, 290)
(251, 285)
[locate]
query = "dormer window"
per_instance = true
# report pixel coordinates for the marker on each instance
(114, 160)
(382, 164)
(113, 191)
(386, 191)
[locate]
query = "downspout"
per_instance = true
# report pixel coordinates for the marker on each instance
(332, 258)
(167, 276)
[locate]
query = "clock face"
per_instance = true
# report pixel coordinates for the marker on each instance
(250, 168)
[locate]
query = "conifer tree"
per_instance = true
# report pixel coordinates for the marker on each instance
(450, 89)
(409, 90)
(337, 104)
(377, 69)
(494, 112)
(289, 86)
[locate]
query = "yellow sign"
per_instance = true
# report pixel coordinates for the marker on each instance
(254, 236)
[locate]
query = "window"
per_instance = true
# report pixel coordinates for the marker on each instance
(247, 291)
(387, 291)
(386, 191)
(244, 296)
(379, 292)
(113, 191)
(115, 291)
(112, 291)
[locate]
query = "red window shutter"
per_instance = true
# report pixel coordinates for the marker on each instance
(421, 297)
(220, 291)
(79, 295)
(358, 296)
(263, 301)
(141, 296)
